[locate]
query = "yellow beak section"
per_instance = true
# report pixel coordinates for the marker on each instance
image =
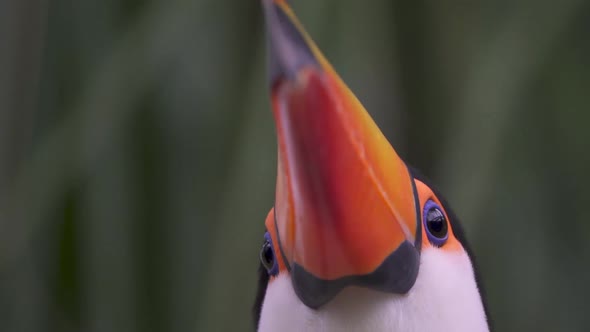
(345, 205)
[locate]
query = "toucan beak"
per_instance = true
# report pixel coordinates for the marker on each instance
(345, 207)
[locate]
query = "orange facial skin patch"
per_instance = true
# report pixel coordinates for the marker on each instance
(425, 194)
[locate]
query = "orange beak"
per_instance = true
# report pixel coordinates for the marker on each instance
(346, 209)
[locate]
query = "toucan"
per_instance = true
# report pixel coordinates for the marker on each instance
(357, 240)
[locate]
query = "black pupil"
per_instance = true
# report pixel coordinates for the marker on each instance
(267, 255)
(437, 224)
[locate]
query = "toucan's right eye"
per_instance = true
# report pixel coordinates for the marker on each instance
(267, 256)
(435, 222)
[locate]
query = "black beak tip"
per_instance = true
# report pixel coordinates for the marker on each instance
(287, 50)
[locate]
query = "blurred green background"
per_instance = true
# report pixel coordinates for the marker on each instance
(137, 150)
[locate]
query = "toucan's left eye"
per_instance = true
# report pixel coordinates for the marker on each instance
(435, 223)
(267, 256)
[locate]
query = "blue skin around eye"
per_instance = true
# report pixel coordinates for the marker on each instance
(430, 204)
(275, 266)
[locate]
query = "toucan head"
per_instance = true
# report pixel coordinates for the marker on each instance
(356, 239)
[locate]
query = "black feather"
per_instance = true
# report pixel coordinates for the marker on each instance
(260, 292)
